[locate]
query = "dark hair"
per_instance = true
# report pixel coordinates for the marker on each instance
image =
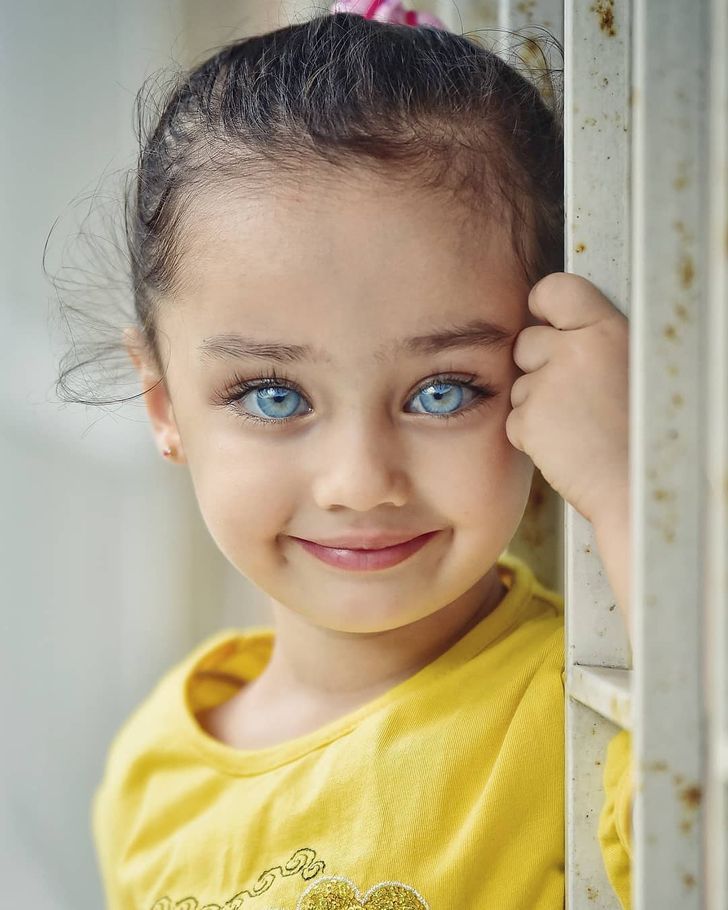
(418, 104)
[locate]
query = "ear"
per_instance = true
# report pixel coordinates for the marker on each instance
(156, 396)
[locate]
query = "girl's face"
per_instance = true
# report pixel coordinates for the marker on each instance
(332, 370)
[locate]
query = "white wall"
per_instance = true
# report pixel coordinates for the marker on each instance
(107, 572)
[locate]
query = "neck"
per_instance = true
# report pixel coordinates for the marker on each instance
(331, 667)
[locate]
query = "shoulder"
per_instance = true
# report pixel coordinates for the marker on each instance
(540, 608)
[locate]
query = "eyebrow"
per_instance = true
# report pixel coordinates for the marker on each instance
(475, 333)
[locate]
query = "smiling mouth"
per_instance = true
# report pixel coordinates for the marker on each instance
(360, 559)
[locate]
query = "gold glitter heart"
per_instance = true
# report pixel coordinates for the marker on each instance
(341, 894)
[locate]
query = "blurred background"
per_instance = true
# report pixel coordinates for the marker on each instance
(108, 573)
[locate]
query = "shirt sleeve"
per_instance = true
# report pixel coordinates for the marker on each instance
(615, 820)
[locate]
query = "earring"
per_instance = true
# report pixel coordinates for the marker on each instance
(168, 451)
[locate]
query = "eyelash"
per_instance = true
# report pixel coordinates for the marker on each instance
(240, 387)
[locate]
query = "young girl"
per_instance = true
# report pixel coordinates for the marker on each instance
(345, 240)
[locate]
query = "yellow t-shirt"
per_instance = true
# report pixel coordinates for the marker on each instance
(446, 791)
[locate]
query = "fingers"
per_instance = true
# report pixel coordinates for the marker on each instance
(568, 301)
(519, 390)
(534, 347)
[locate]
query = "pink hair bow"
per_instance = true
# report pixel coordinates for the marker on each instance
(387, 11)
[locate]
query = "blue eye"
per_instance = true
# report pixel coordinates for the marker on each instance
(274, 400)
(441, 398)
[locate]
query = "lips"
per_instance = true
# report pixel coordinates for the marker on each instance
(372, 540)
(366, 558)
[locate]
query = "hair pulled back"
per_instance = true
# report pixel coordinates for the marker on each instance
(418, 104)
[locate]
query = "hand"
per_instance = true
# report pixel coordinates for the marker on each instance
(571, 407)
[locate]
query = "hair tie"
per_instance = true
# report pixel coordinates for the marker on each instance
(388, 11)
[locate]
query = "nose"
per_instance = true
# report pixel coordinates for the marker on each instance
(362, 468)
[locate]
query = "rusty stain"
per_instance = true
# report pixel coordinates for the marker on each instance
(681, 229)
(678, 400)
(656, 766)
(687, 271)
(686, 826)
(597, 763)
(661, 495)
(525, 7)
(591, 893)
(681, 181)
(605, 13)
(689, 880)
(682, 312)
(672, 369)
(580, 247)
(587, 549)
(670, 332)
(691, 797)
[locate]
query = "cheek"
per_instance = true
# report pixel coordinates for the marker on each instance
(482, 478)
(246, 493)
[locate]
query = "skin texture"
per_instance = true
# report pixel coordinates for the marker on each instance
(351, 267)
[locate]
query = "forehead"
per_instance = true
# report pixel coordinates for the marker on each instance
(345, 263)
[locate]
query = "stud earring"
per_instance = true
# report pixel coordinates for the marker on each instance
(168, 451)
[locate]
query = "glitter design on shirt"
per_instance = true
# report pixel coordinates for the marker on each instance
(334, 893)
(302, 862)
(330, 893)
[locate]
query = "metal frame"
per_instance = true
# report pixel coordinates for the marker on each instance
(646, 148)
